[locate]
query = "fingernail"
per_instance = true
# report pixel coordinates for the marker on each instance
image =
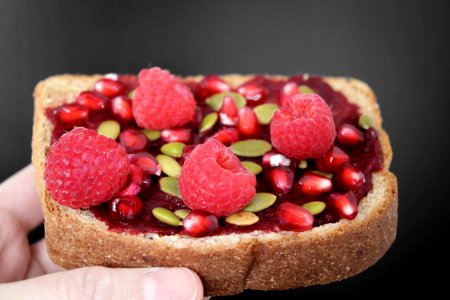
(171, 283)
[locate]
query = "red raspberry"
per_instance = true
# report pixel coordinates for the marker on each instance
(303, 128)
(214, 180)
(85, 169)
(162, 100)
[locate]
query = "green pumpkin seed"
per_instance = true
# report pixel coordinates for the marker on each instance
(182, 213)
(169, 186)
(365, 121)
(208, 121)
(252, 167)
(174, 149)
(303, 164)
(324, 174)
(166, 216)
(215, 101)
(152, 135)
(315, 207)
(169, 165)
(109, 128)
(251, 148)
(131, 94)
(264, 112)
(242, 218)
(260, 202)
(304, 89)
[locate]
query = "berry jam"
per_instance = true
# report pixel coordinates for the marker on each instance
(366, 156)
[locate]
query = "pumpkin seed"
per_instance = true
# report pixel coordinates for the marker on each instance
(169, 165)
(166, 216)
(365, 121)
(152, 135)
(169, 186)
(304, 89)
(303, 164)
(109, 128)
(252, 167)
(208, 121)
(251, 148)
(215, 101)
(182, 213)
(260, 202)
(242, 218)
(324, 174)
(315, 207)
(264, 112)
(174, 149)
(131, 94)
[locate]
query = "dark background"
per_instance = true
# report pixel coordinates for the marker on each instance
(400, 48)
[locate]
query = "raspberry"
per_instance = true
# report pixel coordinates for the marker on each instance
(303, 128)
(85, 169)
(162, 100)
(214, 180)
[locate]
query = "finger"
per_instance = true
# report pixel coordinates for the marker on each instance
(40, 263)
(113, 284)
(18, 194)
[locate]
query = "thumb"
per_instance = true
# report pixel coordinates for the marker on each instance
(98, 283)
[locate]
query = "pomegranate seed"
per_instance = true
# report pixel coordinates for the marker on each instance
(131, 81)
(254, 93)
(282, 179)
(227, 136)
(72, 114)
(350, 178)
(275, 159)
(133, 140)
(91, 101)
(131, 190)
(345, 205)
(109, 88)
(146, 182)
(248, 124)
(313, 185)
(350, 136)
(295, 217)
(121, 107)
(199, 223)
(146, 162)
(186, 151)
(228, 111)
(332, 160)
(125, 207)
(287, 91)
(182, 135)
(212, 84)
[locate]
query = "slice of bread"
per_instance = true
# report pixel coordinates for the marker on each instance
(231, 263)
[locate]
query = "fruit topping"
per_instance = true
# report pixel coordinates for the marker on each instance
(287, 91)
(345, 205)
(350, 178)
(212, 84)
(248, 124)
(349, 136)
(146, 162)
(122, 108)
(71, 115)
(182, 135)
(109, 87)
(313, 185)
(133, 140)
(332, 160)
(125, 208)
(216, 101)
(253, 92)
(275, 159)
(295, 217)
(200, 223)
(91, 101)
(282, 179)
(227, 136)
(228, 111)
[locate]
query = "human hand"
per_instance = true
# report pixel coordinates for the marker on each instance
(26, 272)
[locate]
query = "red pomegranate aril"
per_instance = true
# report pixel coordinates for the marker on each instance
(212, 84)
(254, 93)
(295, 217)
(313, 185)
(121, 107)
(130, 81)
(227, 136)
(199, 223)
(345, 205)
(287, 91)
(109, 88)
(91, 101)
(131, 190)
(350, 178)
(248, 124)
(182, 135)
(146, 162)
(332, 160)
(72, 114)
(133, 140)
(275, 159)
(349, 136)
(228, 113)
(125, 207)
(146, 183)
(282, 179)
(186, 151)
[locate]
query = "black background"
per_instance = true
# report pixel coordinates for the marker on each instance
(400, 48)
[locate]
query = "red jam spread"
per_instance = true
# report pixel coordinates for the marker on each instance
(367, 157)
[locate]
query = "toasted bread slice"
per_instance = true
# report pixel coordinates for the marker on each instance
(227, 264)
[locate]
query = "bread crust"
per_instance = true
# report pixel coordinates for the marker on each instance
(227, 264)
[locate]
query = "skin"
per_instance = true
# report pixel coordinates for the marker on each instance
(28, 273)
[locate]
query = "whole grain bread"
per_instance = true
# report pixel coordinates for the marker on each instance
(231, 263)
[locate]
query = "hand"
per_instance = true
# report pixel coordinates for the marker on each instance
(30, 274)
